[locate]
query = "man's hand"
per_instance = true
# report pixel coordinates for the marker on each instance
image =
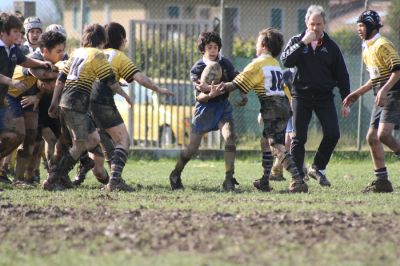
(18, 84)
(53, 110)
(350, 99)
(381, 98)
(165, 91)
(345, 111)
(308, 37)
(30, 100)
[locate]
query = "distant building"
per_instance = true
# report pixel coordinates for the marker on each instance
(250, 18)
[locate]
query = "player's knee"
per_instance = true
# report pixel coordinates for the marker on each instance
(372, 138)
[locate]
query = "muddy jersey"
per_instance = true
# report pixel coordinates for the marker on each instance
(9, 58)
(23, 74)
(85, 65)
(122, 67)
(263, 75)
(381, 59)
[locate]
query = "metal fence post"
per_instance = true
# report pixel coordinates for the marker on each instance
(360, 103)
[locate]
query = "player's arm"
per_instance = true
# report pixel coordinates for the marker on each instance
(53, 109)
(34, 63)
(381, 96)
(353, 97)
(146, 81)
(12, 82)
(44, 74)
(215, 91)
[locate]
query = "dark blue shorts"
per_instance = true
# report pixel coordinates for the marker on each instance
(15, 106)
(207, 116)
(390, 113)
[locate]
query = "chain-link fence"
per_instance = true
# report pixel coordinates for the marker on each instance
(162, 42)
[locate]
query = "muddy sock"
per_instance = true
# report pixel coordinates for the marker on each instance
(118, 161)
(229, 156)
(288, 163)
(267, 161)
(381, 173)
(277, 168)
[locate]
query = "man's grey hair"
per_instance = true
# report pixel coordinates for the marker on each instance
(314, 9)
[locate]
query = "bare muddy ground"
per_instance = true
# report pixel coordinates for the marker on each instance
(45, 230)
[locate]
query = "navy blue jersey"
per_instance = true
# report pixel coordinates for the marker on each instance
(8, 61)
(228, 74)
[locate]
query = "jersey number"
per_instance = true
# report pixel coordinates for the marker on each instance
(276, 80)
(75, 68)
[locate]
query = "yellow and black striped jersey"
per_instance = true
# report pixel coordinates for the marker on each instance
(263, 75)
(122, 66)
(85, 65)
(21, 74)
(381, 59)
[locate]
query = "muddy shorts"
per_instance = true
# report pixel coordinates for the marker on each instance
(7, 123)
(76, 125)
(275, 112)
(207, 116)
(45, 121)
(15, 106)
(105, 115)
(390, 113)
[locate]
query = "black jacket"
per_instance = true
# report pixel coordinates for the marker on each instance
(319, 71)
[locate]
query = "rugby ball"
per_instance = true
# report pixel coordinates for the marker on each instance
(212, 72)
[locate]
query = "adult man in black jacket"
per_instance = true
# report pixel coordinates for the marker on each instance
(319, 68)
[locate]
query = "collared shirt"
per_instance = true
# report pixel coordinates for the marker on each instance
(8, 60)
(381, 60)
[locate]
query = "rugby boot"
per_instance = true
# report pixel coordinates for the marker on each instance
(118, 184)
(298, 186)
(84, 167)
(229, 183)
(380, 185)
(175, 180)
(262, 184)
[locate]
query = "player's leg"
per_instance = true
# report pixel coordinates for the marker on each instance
(381, 183)
(228, 134)
(184, 157)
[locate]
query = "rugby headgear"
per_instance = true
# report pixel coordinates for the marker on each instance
(57, 28)
(32, 23)
(371, 20)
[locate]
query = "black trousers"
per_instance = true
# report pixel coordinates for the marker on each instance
(325, 111)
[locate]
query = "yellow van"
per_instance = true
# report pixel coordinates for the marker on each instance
(158, 120)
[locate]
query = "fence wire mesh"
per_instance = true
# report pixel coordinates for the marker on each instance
(162, 42)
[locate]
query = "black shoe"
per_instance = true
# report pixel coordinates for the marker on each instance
(175, 180)
(262, 184)
(317, 175)
(4, 179)
(83, 168)
(229, 183)
(379, 186)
